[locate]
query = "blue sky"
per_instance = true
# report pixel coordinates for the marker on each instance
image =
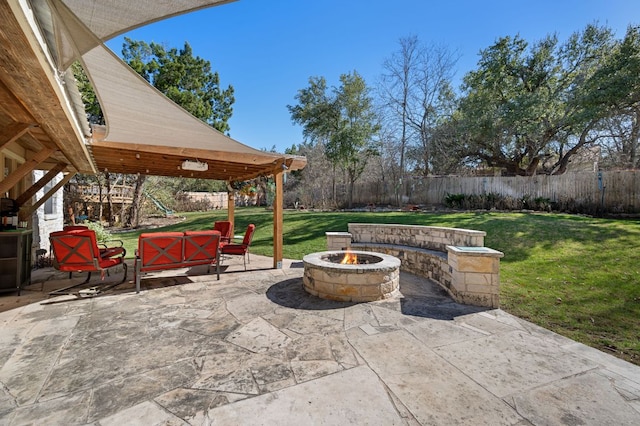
(268, 49)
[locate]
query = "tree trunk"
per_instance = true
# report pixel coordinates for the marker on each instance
(109, 213)
(333, 186)
(136, 202)
(633, 143)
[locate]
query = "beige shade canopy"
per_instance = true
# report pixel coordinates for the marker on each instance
(145, 131)
(105, 19)
(43, 125)
(148, 133)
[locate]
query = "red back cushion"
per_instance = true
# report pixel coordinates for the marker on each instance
(201, 245)
(248, 236)
(224, 227)
(160, 248)
(75, 250)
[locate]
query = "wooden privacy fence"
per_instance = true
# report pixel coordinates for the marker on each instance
(612, 191)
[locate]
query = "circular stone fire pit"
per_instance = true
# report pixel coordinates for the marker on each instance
(375, 276)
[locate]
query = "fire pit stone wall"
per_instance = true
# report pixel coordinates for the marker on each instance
(454, 258)
(351, 283)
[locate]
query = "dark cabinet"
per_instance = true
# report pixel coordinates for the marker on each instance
(15, 260)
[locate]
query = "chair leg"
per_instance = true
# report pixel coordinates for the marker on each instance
(88, 278)
(124, 277)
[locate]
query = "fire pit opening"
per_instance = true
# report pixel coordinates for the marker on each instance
(352, 258)
(351, 276)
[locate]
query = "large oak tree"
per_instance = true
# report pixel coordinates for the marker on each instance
(526, 109)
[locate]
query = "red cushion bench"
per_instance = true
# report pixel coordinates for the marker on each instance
(159, 251)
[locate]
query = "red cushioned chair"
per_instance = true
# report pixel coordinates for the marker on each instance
(76, 250)
(224, 227)
(105, 251)
(240, 249)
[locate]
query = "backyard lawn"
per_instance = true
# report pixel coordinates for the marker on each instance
(578, 276)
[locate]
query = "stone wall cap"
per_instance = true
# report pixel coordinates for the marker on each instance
(475, 251)
(319, 260)
(425, 227)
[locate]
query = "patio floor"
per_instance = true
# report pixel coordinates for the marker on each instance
(255, 349)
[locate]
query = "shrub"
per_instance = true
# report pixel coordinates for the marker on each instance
(102, 234)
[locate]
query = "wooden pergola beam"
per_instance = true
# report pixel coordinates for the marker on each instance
(28, 211)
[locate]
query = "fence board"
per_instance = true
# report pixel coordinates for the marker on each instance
(617, 191)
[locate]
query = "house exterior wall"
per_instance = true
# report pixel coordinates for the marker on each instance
(49, 217)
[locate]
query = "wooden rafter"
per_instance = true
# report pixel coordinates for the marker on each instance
(25, 196)
(10, 181)
(12, 133)
(27, 211)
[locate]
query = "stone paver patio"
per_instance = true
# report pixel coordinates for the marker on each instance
(254, 348)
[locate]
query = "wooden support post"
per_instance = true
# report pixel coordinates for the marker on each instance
(277, 220)
(231, 208)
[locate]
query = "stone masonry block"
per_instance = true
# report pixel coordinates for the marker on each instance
(476, 288)
(346, 290)
(478, 264)
(323, 287)
(478, 279)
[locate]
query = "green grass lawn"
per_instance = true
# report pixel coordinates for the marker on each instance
(577, 276)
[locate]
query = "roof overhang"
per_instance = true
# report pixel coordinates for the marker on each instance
(41, 111)
(33, 95)
(157, 160)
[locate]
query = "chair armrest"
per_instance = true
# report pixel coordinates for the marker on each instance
(104, 246)
(120, 243)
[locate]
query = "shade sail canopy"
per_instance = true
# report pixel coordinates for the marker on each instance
(145, 132)
(105, 19)
(148, 133)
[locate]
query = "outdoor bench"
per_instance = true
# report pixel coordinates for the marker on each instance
(452, 257)
(159, 251)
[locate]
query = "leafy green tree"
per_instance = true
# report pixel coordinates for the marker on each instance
(184, 78)
(89, 98)
(525, 109)
(616, 86)
(344, 121)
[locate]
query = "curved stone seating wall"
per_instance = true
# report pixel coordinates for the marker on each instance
(426, 237)
(454, 258)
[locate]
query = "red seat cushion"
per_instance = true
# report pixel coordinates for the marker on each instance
(224, 227)
(233, 249)
(111, 251)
